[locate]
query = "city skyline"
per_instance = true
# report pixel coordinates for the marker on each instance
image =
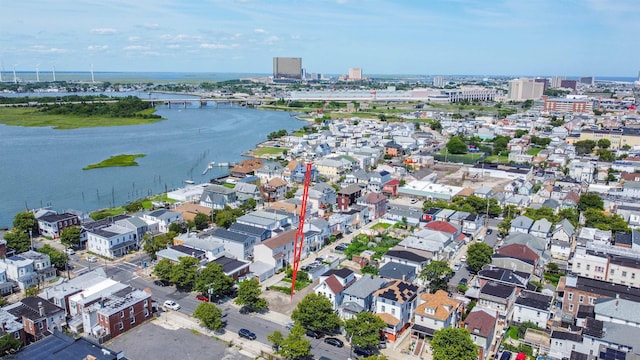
(542, 37)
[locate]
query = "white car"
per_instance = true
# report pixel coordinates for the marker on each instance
(463, 259)
(69, 251)
(92, 259)
(169, 304)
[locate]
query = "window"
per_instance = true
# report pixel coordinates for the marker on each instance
(120, 325)
(41, 325)
(581, 299)
(578, 265)
(612, 271)
(633, 275)
(16, 334)
(624, 274)
(383, 309)
(122, 313)
(146, 312)
(393, 311)
(570, 296)
(570, 307)
(588, 267)
(133, 319)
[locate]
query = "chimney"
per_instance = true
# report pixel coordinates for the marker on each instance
(4, 326)
(40, 308)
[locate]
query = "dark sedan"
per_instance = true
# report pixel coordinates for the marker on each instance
(334, 341)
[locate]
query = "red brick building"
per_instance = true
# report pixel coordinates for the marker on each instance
(120, 312)
(38, 316)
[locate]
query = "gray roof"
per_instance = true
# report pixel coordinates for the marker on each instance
(533, 242)
(135, 221)
(543, 225)
(163, 214)
(618, 309)
(522, 222)
(567, 226)
(365, 286)
(59, 346)
(247, 229)
(229, 235)
(621, 334)
(534, 300)
(398, 271)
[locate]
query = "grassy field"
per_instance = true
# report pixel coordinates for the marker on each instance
(534, 151)
(267, 150)
(31, 117)
(116, 161)
(497, 159)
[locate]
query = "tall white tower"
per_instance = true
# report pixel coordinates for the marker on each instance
(54, 73)
(92, 78)
(38, 73)
(15, 78)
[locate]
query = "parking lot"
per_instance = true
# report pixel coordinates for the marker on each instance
(152, 341)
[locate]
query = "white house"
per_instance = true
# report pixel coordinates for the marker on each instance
(394, 304)
(111, 241)
(163, 217)
(533, 307)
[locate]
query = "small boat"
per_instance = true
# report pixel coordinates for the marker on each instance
(190, 182)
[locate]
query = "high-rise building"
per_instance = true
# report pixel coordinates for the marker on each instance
(438, 81)
(545, 82)
(555, 81)
(589, 80)
(525, 89)
(287, 68)
(355, 74)
(569, 84)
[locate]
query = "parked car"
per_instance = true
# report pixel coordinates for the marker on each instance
(341, 247)
(457, 266)
(505, 356)
(69, 266)
(247, 334)
(313, 334)
(463, 259)
(161, 282)
(246, 310)
(170, 304)
(92, 259)
(382, 345)
(69, 251)
(363, 352)
(489, 231)
(202, 298)
(334, 341)
(463, 281)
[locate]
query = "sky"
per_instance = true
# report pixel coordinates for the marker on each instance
(424, 37)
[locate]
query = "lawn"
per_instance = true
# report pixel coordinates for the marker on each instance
(267, 150)
(104, 213)
(534, 151)
(147, 203)
(512, 333)
(497, 159)
(116, 161)
(31, 117)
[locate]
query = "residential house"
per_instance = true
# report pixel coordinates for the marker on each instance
(274, 254)
(237, 245)
(358, 297)
(531, 306)
(516, 257)
(497, 296)
(12, 326)
(481, 323)
(21, 271)
(434, 312)
(332, 169)
(411, 216)
(392, 149)
(376, 202)
(394, 304)
(202, 242)
(39, 317)
(117, 312)
(41, 264)
(274, 189)
(377, 179)
(233, 268)
(430, 214)
(6, 286)
(617, 269)
(406, 257)
(60, 292)
(397, 271)
(52, 225)
(391, 188)
(257, 233)
(348, 196)
(246, 167)
(269, 171)
(246, 191)
(619, 311)
(332, 283)
(521, 224)
(163, 217)
(541, 228)
(472, 224)
(111, 241)
(577, 290)
(519, 279)
(217, 197)
(137, 225)
(295, 172)
(176, 252)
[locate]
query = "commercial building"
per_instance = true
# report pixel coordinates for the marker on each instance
(287, 68)
(471, 93)
(563, 105)
(355, 74)
(525, 89)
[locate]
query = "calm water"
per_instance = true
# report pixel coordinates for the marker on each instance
(42, 166)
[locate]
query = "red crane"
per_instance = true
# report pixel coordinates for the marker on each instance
(297, 247)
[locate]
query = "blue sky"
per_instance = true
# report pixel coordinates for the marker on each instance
(485, 37)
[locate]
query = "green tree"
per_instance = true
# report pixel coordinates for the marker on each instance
(590, 201)
(584, 146)
(163, 269)
(520, 132)
(70, 236)
(17, 240)
(478, 255)
(25, 221)
(522, 329)
(315, 312)
(570, 214)
(212, 277)
(58, 258)
(276, 338)
(210, 316)
(9, 344)
(435, 273)
(184, 273)
(604, 143)
(248, 205)
(453, 344)
(364, 329)
(456, 146)
(249, 292)
(153, 244)
(295, 346)
(178, 228)
(201, 221)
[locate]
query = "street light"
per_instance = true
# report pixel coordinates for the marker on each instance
(31, 238)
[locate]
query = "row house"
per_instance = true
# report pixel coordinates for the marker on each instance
(619, 311)
(395, 302)
(435, 312)
(202, 242)
(376, 202)
(111, 241)
(38, 317)
(233, 268)
(517, 257)
(275, 254)
(175, 252)
(52, 224)
(12, 326)
(41, 264)
(348, 196)
(117, 313)
(21, 271)
(236, 244)
(531, 306)
(6, 286)
(274, 189)
(574, 291)
(519, 279)
(139, 228)
(397, 255)
(597, 265)
(498, 297)
(217, 197)
(332, 284)
(60, 292)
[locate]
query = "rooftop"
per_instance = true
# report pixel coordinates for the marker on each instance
(398, 291)
(437, 306)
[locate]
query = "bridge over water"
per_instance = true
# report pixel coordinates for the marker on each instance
(204, 101)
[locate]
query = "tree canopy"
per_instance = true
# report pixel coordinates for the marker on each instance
(295, 345)
(436, 273)
(315, 312)
(184, 273)
(212, 277)
(364, 329)
(25, 221)
(201, 221)
(456, 146)
(584, 146)
(478, 255)
(58, 258)
(453, 344)
(210, 316)
(249, 292)
(9, 344)
(153, 244)
(70, 236)
(163, 269)
(590, 201)
(17, 240)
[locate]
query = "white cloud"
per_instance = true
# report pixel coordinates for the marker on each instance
(180, 37)
(272, 39)
(260, 31)
(44, 49)
(136, 48)
(97, 47)
(173, 46)
(218, 46)
(133, 38)
(103, 31)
